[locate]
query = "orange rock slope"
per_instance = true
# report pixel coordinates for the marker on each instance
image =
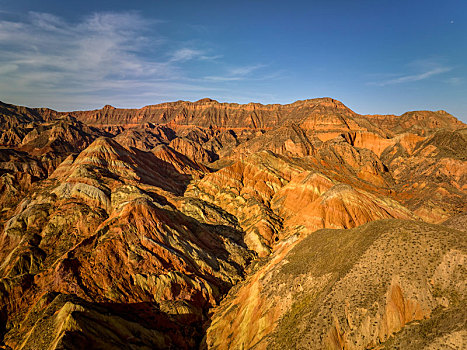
(217, 225)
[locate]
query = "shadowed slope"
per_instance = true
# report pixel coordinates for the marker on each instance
(272, 195)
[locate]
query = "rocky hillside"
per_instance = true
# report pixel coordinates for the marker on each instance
(213, 225)
(386, 284)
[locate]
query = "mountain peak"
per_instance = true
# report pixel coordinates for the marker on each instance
(206, 100)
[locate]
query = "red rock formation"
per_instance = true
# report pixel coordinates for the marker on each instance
(418, 122)
(103, 228)
(126, 227)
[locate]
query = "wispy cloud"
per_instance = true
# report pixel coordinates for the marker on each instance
(101, 46)
(236, 73)
(45, 59)
(426, 69)
(117, 58)
(455, 81)
(186, 54)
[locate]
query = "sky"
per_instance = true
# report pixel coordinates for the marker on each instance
(376, 56)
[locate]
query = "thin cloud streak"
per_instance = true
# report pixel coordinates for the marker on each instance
(236, 73)
(187, 54)
(414, 77)
(456, 81)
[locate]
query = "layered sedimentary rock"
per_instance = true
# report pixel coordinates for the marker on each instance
(432, 178)
(104, 232)
(125, 228)
(417, 122)
(210, 113)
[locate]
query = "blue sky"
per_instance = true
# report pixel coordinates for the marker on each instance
(375, 56)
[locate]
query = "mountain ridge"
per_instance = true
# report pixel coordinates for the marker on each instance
(210, 102)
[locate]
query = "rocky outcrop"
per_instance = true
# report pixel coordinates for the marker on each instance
(17, 121)
(145, 138)
(192, 149)
(311, 201)
(244, 190)
(60, 321)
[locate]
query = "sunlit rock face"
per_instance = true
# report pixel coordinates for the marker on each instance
(218, 225)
